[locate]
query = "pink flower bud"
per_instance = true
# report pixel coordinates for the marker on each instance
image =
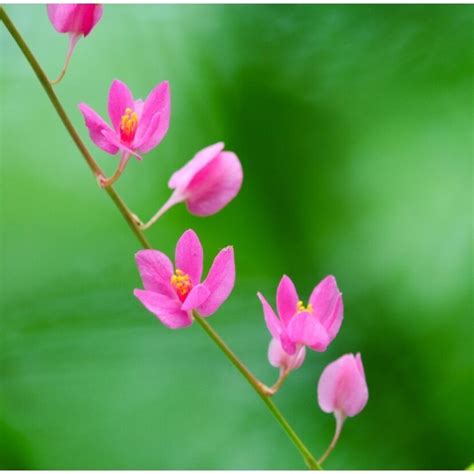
(208, 182)
(74, 18)
(342, 388)
(281, 359)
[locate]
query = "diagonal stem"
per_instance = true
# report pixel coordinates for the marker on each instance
(260, 389)
(134, 225)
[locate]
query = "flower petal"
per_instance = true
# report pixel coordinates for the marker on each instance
(305, 329)
(271, 319)
(188, 256)
(287, 299)
(181, 178)
(138, 108)
(120, 98)
(93, 17)
(288, 345)
(334, 320)
(155, 118)
(62, 17)
(112, 137)
(196, 297)
(342, 387)
(220, 281)
(74, 18)
(145, 143)
(215, 185)
(326, 300)
(278, 357)
(96, 125)
(358, 360)
(156, 271)
(167, 310)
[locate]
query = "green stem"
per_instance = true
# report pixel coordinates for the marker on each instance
(134, 225)
(258, 387)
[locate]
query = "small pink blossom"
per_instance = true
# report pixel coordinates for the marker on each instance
(74, 18)
(137, 126)
(296, 325)
(172, 294)
(282, 360)
(208, 182)
(342, 388)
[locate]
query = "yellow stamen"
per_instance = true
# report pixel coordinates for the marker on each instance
(300, 308)
(128, 124)
(182, 284)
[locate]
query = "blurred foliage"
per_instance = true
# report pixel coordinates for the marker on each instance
(354, 127)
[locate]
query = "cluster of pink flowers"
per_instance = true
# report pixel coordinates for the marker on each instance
(177, 294)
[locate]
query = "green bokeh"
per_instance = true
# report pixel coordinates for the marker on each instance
(354, 128)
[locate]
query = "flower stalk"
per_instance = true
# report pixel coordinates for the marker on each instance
(339, 423)
(277, 385)
(173, 199)
(106, 182)
(72, 44)
(261, 389)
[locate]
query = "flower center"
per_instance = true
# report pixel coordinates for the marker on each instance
(181, 283)
(301, 308)
(128, 125)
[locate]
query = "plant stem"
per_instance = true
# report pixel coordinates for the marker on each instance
(259, 388)
(134, 225)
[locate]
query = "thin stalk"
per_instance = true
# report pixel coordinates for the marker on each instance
(277, 385)
(106, 182)
(134, 225)
(73, 39)
(173, 199)
(339, 424)
(260, 389)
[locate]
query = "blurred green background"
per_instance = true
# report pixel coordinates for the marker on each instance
(354, 128)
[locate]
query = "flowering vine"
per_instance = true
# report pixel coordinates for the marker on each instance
(177, 295)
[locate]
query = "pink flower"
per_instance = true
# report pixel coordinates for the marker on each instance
(296, 325)
(342, 390)
(206, 183)
(209, 181)
(280, 359)
(172, 295)
(75, 19)
(137, 126)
